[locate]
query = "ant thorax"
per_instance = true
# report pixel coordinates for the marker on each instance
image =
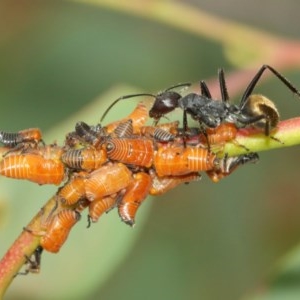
(207, 111)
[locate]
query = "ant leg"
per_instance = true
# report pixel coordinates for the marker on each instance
(223, 87)
(205, 90)
(248, 120)
(155, 122)
(252, 120)
(267, 133)
(267, 127)
(204, 132)
(256, 78)
(207, 140)
(185, 128)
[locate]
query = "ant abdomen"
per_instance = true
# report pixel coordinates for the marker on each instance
(260, 107)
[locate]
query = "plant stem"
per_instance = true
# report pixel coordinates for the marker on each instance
(286, 134)
(23, 246)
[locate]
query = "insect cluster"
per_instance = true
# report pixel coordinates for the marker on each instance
(120, 164)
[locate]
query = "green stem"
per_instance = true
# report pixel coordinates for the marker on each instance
(286, 134)
(14, 259)
(24, 245)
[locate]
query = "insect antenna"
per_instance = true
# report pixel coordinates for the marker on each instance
(123, 98)
(186, 84)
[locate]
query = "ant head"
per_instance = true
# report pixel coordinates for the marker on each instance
(260, 106)
(164, 103)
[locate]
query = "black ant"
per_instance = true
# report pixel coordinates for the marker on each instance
(253, 109)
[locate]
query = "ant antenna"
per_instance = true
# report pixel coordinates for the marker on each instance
(142, 94)
(122, 98)
(186, 84)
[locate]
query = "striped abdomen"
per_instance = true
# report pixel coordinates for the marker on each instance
(106, 181)
(157, 133)
(33, 168)
(84, 159)
(100, 206)
(124, 129)
(179, 160)
(135, 194)
(72, 191)
(12, 139)
(138, 152)
(58, 229)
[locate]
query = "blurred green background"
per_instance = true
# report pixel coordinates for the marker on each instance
(61, 62)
